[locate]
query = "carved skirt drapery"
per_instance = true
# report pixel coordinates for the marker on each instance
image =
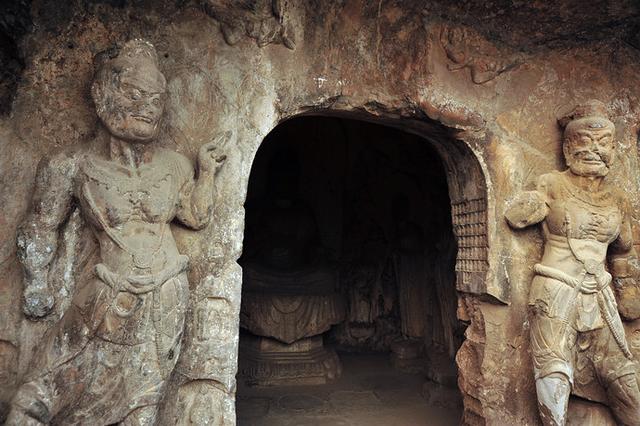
(116, 345)
(570, 328)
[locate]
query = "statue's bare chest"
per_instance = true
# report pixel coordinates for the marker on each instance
(116, 194)
(579, 215)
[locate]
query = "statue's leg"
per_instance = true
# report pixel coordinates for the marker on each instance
(44, 395)
(624, 398)
(552, 348)
(618, 375)
(553, 398)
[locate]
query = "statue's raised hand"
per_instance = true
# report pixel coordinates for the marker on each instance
(209, 157)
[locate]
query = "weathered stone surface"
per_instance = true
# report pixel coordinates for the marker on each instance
(589, 413)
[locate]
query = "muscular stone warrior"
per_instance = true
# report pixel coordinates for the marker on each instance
(109, 357)
(573, 308)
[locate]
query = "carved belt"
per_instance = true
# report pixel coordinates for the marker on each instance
(604, 298)
(585, 287)
(140, 284)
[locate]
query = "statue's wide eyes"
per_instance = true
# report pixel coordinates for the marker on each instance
(607, 140)
(584, 140)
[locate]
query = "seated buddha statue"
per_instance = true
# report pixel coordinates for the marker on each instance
(289, 295)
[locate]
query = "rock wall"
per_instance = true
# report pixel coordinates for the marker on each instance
(473, 79)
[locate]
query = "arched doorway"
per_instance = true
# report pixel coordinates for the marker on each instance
(356, 237)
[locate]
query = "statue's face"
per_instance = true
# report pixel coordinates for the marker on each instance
(131, 107)
(589, 147)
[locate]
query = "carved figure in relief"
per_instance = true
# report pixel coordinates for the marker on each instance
(266, 21)
(466, 48)
(586, 225)
(108, 358)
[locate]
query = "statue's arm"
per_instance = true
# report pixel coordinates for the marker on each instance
(621, 250)
(529, 207)
(625, 274)
(196, 195)
(38, 233)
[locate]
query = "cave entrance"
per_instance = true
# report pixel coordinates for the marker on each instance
(350, 265)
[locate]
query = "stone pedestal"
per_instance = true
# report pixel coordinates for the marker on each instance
(267, 362)
(286, 314)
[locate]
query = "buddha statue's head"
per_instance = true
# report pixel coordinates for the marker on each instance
(588, 140)
(129, 92)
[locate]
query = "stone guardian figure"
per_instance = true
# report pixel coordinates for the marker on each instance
(588, 242)
(108, 359)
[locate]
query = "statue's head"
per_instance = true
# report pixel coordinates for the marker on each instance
(588, 140)
(129, 92)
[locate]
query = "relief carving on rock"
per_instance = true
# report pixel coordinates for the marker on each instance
(466, 48)
(108, 359)
(469, 219)
(265, 21)
(574, 316)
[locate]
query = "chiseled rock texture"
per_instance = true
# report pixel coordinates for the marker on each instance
(483, 81)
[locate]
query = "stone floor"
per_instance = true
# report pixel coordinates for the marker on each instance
(369, 393)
